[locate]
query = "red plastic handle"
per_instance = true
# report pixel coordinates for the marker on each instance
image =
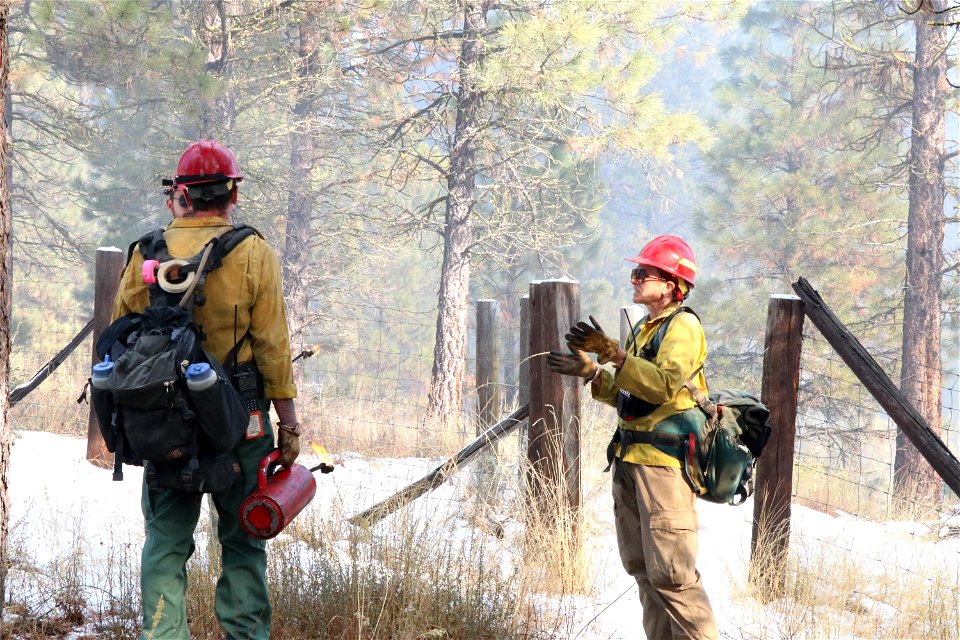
(264, 471)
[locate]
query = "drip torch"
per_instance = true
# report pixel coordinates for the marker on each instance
(280, 495)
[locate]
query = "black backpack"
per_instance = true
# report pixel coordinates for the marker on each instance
(147, 413)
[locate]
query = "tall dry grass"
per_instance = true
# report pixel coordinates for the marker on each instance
(827, 593)
(425, 572)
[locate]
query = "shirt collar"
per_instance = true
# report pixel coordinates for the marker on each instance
(670, 308)
(187, 223)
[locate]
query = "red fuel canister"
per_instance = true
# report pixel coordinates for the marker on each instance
(278, 499)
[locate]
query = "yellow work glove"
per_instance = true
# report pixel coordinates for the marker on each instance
(288, 441)
(576, 363)
(583, 337)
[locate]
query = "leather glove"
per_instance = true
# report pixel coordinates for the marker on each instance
(288, 441)
(575, 363)
(583, 337)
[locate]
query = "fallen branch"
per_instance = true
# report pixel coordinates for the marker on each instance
(439, 475)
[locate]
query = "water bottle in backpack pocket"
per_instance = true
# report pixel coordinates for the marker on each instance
(217, 405)
(104, 407)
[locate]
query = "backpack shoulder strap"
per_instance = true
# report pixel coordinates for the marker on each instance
(212, 257)
(153, 246)
(227, 242)
(652, 348)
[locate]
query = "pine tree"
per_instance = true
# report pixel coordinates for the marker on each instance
(794, 191)
(488, 102)
(6, 435)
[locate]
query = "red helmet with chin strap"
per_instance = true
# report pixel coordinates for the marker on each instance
(671, 255)
(206, 161)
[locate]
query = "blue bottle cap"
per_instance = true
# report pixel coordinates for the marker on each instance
(103, 369)
(197, 370)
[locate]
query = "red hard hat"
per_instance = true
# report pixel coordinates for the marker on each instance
(204, 162)
(671, 255)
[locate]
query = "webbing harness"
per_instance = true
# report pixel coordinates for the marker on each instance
(685, 445)
(153, 246)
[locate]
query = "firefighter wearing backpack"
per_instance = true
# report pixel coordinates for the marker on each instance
(243, 305)
(654, 512)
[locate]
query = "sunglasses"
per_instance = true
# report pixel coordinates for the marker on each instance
(640, 274)
(182, 201)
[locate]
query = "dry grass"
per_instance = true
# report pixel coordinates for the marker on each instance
(820, 589)
(830, 594)
(51, 407)
(418, 574)
(833, 490)
(405, 580)
(414, 577)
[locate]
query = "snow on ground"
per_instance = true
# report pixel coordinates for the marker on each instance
(61, 503)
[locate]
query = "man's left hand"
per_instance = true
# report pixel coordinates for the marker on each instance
(289, 444)
(583, 337)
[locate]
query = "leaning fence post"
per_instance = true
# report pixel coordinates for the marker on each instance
(488, 387)
(108, 267)
(774, 481)
(553, 448)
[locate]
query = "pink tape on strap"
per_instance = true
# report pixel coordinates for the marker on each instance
(149, 271)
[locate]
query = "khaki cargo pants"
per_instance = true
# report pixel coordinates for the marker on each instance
(657, 535)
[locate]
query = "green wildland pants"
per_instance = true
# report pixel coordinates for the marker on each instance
(170, 517)
(656, 524)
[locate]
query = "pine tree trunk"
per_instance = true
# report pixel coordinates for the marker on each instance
(450, 348)
(920, 376)
(219, 114)
(6, 436)
(296, 252)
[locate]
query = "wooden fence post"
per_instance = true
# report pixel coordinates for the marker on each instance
(553, 448)
(488, 363)
(523, 373)
(488, 390)
(108, 267)
(774, 473)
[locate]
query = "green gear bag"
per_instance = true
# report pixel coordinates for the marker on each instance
(734, 440)
(725, 447)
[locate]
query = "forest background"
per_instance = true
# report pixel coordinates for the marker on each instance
(418, 156)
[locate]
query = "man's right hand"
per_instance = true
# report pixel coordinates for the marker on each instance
(574, 363)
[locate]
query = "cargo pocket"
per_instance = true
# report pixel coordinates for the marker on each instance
(673, 561)
(159, 435)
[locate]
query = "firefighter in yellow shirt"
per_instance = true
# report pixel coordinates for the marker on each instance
(653, 495)
(244, 307)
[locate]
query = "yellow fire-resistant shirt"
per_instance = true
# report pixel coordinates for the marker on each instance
(684, 348)
(245, 293)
